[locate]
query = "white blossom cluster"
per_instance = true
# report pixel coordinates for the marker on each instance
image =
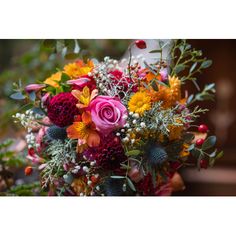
(106, 84)
(28, 120)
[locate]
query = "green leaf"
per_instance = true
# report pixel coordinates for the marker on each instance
(193, 67)
(161, 83)
(131, 185)
(196, 153)
(209, 86)
(191, 147)
(117, 177)
(156, 51)
(190, 98)
(206, 64)
(219, 155)
(133, 153)
(179, 68)
(32, 96)
(17, 96)
(154, 85)
(209, 143)
(64, 78)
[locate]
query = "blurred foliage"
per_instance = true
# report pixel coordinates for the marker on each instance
(31, 61)
(9, 162)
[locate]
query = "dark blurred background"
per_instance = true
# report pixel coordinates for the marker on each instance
(25, 60)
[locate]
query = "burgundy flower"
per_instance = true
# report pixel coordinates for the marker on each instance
(109, 154)
(62, 109)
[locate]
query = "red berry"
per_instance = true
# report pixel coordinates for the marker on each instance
(28, 170)
(202, 128)
(94, 179)
(141, 44)
(204, 164)
(199, 141)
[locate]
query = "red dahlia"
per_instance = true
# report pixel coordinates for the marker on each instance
(109, 154)
(62, 109)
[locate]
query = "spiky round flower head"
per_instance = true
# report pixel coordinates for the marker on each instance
(115, 187)
(139, 103)
(62, 109)
(155, 154)
(109, 154)
(55, 132)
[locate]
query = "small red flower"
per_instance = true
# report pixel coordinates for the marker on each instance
(202, 128)
(204, 164)
(199, 141)
(28, 170)
(141, 44)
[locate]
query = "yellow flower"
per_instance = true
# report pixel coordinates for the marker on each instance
(84, 97)
(139, 103)
(169, 95)
(185, 152)
(54, 79)
(78, 68)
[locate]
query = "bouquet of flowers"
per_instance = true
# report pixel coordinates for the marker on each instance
(118, 128)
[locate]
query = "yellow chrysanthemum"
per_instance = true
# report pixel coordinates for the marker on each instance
(78, 68)
(173, 93)
(169, 95)
(139, 103)
(53, 80)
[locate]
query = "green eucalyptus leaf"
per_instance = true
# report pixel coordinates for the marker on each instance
(196, 153)
(156, 51)
(131, 185)
(179, 68)
(209, 143)
(161, 83)
(32, 96)
(206, 64)
(191, 147)
(190, 98)
(17, 96)
(193, 67)
(133, 153)
(117, 177)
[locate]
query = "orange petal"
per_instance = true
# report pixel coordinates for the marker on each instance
(93, 139)
(86, 117)
(71, 132)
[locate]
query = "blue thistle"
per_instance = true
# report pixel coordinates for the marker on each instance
(155, 154)
(55, 132)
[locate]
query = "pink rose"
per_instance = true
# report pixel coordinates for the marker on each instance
(107, 113)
